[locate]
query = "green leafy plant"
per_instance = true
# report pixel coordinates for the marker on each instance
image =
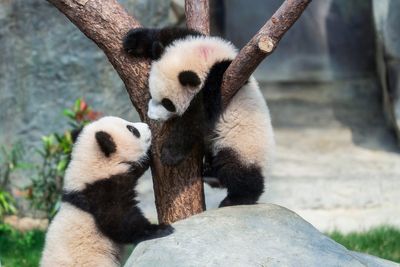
(80, 114)
(7, 203)
(10, 161)
(45, 191)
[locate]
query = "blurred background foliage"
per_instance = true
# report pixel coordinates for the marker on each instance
(55, 153)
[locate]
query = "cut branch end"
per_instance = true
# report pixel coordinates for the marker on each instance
(266, 44)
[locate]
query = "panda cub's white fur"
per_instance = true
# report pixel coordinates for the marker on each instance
(74, 240)
(98, 212)
(187, 72)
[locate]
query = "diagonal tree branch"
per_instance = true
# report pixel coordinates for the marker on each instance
(198, 15)
(260, 46)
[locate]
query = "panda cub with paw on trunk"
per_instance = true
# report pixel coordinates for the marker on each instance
(185, 82)
(99, 213)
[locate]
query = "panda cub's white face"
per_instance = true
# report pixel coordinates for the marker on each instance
(171, 93)
(178, 76)
(181, 71)
(106, 147)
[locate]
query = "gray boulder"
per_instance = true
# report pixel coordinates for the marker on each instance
(258, 235)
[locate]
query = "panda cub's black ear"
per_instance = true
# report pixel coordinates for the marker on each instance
(189, 78)
(75, 134)
(157, 49)
(106, 143)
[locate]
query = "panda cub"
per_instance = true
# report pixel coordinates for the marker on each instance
(185, 77)
(99, 212)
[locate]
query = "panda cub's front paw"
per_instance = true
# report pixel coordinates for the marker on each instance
(235, 201)
(165, 230)
(212, 181)
(171, 156)
(138, 42)
(158, 231)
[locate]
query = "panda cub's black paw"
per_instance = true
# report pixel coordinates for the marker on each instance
(138, 42)
(143, 42)
(212, 181)
(171, 156)
(153, 231)
(165, 230)
(235, 201)
(160, 230)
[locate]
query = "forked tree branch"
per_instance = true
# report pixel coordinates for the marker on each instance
(198, 15)
(260, 46)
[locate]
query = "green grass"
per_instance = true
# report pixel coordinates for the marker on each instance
(383, 242)
(24, 249)
(20, 249)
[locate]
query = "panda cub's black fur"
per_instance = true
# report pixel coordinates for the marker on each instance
(150, 43)
(112, 202)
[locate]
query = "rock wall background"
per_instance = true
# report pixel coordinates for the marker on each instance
(387, 21)
(333, 39)
(46, 63)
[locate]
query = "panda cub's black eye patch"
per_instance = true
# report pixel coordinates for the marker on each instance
(189, 78)
(168, 105)
(133, 130)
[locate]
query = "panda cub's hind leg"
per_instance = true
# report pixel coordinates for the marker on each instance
(245, 183)
(210, 175)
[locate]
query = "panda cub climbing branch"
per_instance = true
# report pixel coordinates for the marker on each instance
(99, 212)
(185, 79)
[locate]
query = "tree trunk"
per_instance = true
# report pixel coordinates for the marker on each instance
(179, 190)
(198, 15)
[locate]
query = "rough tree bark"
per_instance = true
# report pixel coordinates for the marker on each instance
(198, 15)
(179, 189)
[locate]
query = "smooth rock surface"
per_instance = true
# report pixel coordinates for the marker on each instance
(258, 235)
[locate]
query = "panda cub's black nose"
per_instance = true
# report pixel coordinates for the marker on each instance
(133, 130)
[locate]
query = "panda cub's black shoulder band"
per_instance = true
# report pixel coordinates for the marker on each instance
(77, 199)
